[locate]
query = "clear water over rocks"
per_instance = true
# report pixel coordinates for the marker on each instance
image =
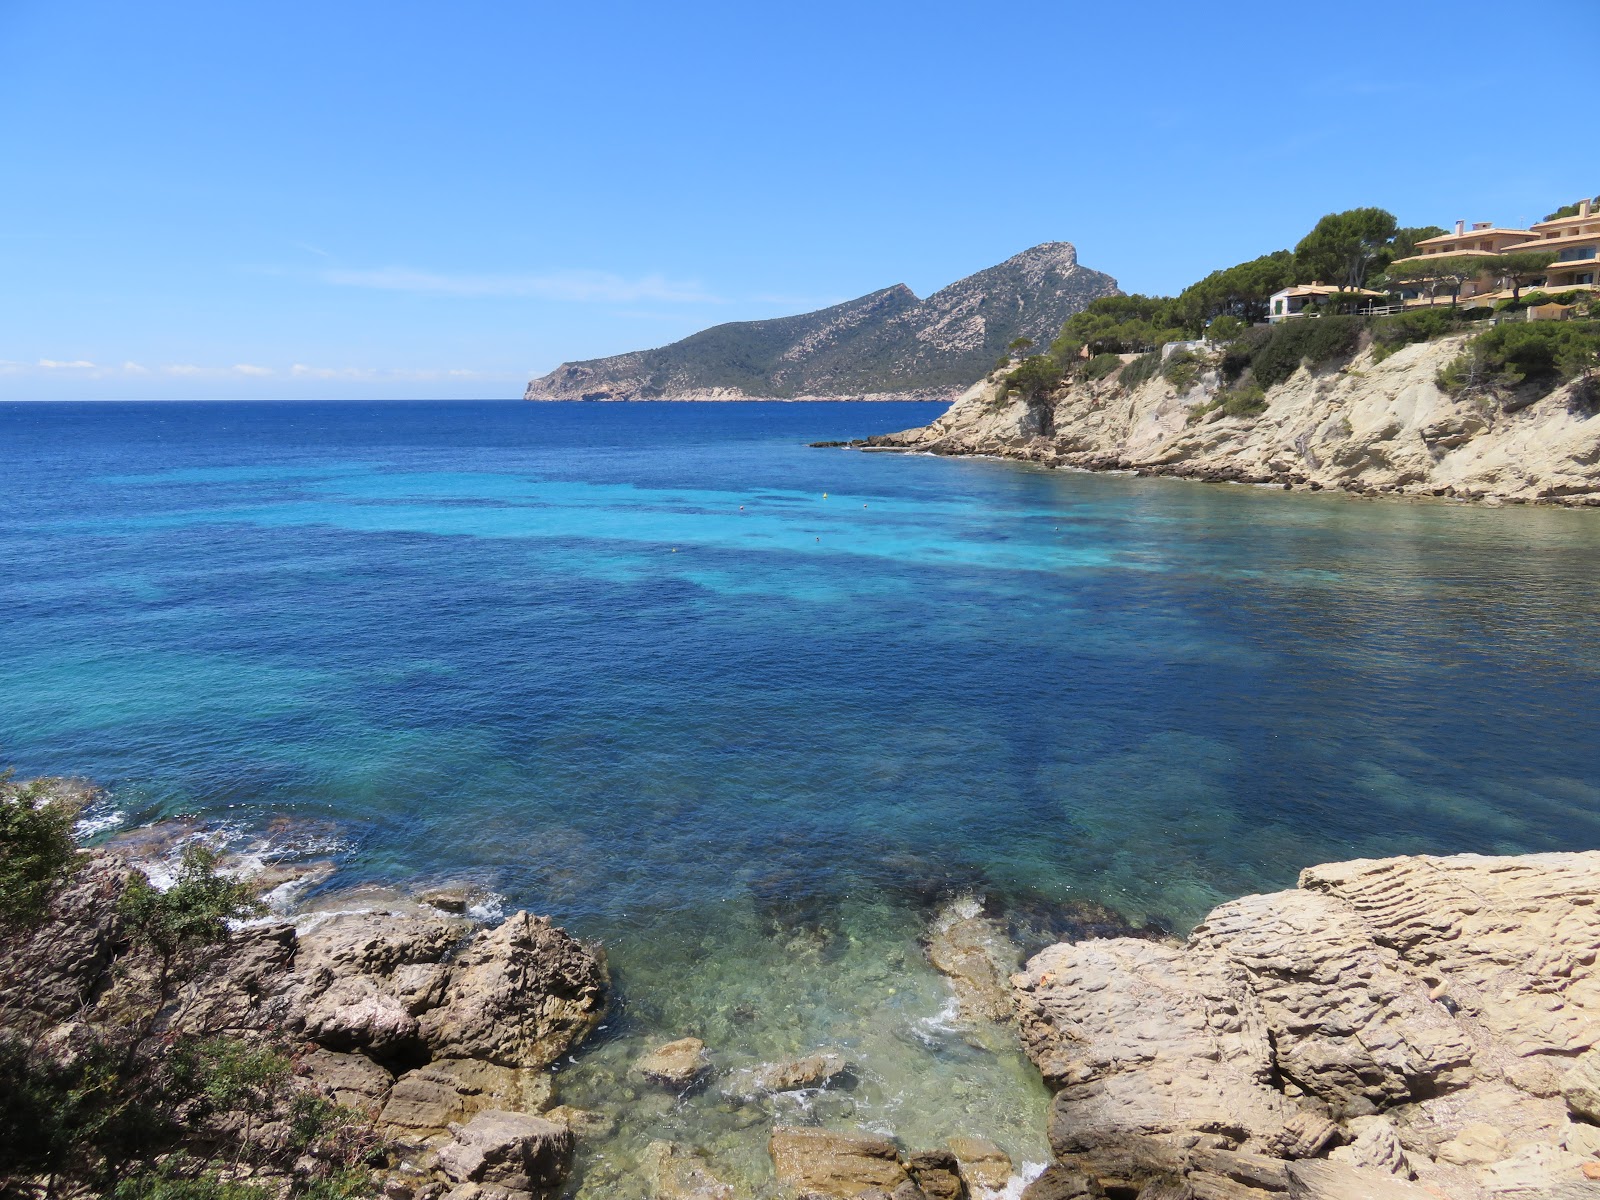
(748, 711)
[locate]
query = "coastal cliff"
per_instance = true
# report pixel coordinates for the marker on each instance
(887, 345)
(1366, 425)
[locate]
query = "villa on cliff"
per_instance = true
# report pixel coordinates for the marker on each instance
(1574, 240)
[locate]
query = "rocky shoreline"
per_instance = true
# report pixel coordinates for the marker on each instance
(1370, 427)
(1391, 1029)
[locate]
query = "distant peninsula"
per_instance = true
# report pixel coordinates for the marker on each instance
(887, 345)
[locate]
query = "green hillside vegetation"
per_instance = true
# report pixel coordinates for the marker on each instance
(1352, 250)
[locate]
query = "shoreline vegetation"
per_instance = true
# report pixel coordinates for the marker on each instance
(1447, 401)
(1392, 1029)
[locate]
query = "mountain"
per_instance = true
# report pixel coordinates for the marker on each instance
(885, 344)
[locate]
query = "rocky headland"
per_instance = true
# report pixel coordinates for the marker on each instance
(1369, 425)
(887, 345)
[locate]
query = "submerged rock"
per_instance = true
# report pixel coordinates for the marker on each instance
(800, 1074)
(679, 1174)
(975, 954)
(677, 1065)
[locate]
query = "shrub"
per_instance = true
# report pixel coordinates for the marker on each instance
(1182, 369)
(1479, 312)
(1140, 370)
(1402, 329)
(1034, 376)
(1245, 401)
(1225, 328)
(1518, 351)
(37, 853)
(1100, 366)
(1286, 346)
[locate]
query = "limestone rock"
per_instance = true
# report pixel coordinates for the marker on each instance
(63, 966)
(584, 1122)
(1323, 1180)
(1147, 1040)
(975, 954)
(486, 1012)
(679, 1174)
(353, 1080)
(1581, 1087)
(938, 1174)
(429, 1099)
(677, 1065)
(1376, 1146)
(1060, 1182)
(515, 1151)
(1435, 1014)
(821, 1163)
(983, 1164)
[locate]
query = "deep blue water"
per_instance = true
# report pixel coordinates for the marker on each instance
(544, 646)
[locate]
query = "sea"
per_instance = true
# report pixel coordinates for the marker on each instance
(750, 713)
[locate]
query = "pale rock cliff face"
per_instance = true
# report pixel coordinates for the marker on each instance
(1426, 1019)
(888, 345)
(1367, 427)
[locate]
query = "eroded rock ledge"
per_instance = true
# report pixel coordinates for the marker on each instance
(1406, 1027)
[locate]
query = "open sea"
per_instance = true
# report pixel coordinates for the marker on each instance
(748, 711)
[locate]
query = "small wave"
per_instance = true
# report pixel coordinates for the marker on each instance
(95, 822)
(491, 908)
(1014, 1186)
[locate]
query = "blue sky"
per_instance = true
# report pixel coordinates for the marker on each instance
(398, 199)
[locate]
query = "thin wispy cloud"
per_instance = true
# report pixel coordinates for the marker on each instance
(572, 286)
(248, 369)
(55, 364)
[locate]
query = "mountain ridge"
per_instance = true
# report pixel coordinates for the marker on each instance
(887, 344)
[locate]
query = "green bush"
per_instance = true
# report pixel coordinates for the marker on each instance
(1034, 376)
(1245, 401)
(1402, 329)
(1181, 369)
(1225, 328)
(1279, 355)
(37, 853)
(1520, 351)
(1100, 366)
(1140, 370)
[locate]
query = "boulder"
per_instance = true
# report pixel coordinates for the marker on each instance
(353, 1080)
(983, 1164)
(515, 1151)
(938, 1174)
(1060, 1182)
(822, 1163)
(1580, 1087)
(1323, 1180)
(486, 1013)
(677, 1065)
(429, 1099)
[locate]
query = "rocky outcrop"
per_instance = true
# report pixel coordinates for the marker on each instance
(887, 345)
(439, 1030)
(974, 952)
(1363, 426)
(1394, 1027)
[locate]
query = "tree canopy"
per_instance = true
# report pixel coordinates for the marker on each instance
(1345, 247)
(1239, 291)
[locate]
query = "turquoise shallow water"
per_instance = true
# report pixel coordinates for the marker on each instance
(543, 647)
